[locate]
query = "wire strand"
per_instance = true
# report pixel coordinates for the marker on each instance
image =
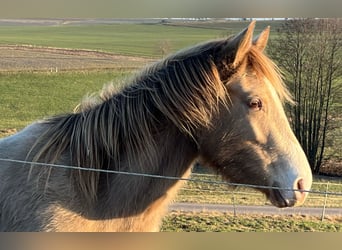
(164, 177)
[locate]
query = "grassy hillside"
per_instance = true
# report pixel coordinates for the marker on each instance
(127, 39)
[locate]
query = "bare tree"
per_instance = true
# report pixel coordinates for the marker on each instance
(308, 51)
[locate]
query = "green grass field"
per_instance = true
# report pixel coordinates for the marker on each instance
(127, 39)
(26, 97)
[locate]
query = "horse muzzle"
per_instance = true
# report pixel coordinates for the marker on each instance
(289, 197)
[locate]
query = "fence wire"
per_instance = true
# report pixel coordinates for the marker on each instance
(197, 181)
(29, 163)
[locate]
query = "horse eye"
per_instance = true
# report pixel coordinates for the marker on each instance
(255, 103)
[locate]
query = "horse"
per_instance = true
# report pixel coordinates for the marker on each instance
(219, 103)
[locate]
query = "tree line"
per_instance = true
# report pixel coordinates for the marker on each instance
(308, 52)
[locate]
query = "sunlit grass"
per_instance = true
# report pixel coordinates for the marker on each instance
(218, 222)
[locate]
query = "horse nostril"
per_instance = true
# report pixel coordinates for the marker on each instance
(300, 184)
(300, 192)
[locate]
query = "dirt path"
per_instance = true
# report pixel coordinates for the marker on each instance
(265, 210)
(35, 58)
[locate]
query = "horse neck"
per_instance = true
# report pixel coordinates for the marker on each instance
(130, 195)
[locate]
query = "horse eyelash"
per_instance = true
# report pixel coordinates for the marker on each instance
(255, 103)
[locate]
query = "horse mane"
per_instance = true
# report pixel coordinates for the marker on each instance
(265, 67)
(117, 130)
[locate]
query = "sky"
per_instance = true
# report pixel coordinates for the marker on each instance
(168, 8)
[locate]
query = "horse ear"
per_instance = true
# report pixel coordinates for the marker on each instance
(261, 40)
(242, 42)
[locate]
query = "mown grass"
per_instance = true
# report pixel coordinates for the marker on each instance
(218, 222)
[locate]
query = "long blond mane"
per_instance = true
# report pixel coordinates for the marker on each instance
(118, 130)
(267, 68)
